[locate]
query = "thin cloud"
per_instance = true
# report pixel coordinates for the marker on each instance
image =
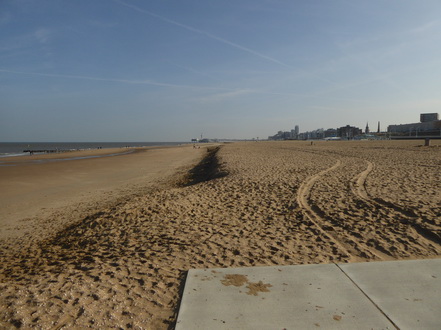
(245, 91)
(101, 24)
(222, 40)
(230, 92)
(43, 35)
(426, 27)
(225, 96)
(192, 70)
(125, 81)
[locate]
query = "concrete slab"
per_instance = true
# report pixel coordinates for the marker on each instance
(288, 297)
(408, 292)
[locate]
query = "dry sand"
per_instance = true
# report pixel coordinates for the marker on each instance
(122, 263)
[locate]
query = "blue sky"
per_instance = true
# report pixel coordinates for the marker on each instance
(169, 70)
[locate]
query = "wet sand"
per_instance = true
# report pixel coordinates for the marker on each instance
(35, 187)
(282, 203)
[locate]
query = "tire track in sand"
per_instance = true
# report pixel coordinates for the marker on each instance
(313, 213)
(358, 183)
(427, 235)
(302, 200)
(358, 188)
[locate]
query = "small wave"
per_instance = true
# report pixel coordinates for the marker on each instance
(42, 161)
(82, 157)
(12, 155)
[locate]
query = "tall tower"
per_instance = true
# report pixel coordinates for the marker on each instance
(367, 128)
(378, 130)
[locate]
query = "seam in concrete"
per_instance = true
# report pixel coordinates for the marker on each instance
(369, 298)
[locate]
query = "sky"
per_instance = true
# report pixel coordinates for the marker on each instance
(171, 70)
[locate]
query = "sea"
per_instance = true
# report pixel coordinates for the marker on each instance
(8, 149)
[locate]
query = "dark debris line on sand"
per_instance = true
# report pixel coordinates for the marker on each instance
(125, 266)
(208, 169)
(115, 250)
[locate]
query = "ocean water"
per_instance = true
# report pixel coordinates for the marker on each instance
(16, 148)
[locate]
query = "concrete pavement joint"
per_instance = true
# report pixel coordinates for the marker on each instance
(369, 298)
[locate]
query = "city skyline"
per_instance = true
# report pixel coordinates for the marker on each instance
(428, 125)
(126, 70)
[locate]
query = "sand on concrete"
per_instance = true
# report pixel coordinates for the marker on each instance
(282, 203)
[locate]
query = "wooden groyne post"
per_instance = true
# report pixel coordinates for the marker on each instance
(46, 151)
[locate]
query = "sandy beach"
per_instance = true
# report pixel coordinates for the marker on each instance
(106, 242)
(35, 187)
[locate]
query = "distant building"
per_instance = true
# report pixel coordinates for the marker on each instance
(314, 135)
(280, 136)
(288, 135)
(366, 131)
(330, 133)
(318, 134)
(428, 117)
(348, 132)
(429, 125)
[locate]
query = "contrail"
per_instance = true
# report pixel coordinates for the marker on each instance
(125, 81)
(209, 35)
(222, 40)
(236, 91)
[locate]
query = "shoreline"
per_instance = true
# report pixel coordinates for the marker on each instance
(39, 160)
(40, 185)
(282, 203)
(13, 149)
(74, 154)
